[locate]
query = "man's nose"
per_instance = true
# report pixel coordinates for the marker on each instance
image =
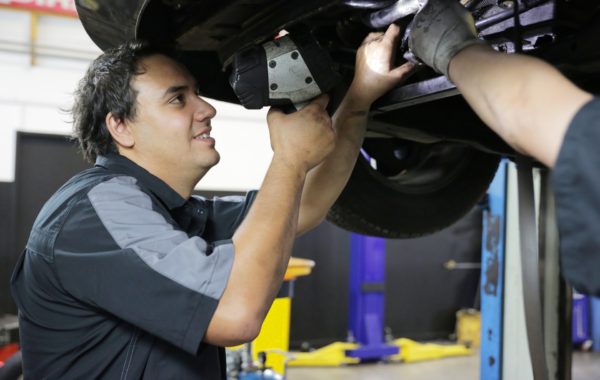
(204, 110)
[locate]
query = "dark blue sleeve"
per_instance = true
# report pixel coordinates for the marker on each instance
(576, 183)
(226, 214)
(115, 252)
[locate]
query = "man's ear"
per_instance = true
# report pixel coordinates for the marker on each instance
(120, 131)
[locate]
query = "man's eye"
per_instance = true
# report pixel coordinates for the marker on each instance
(179, 99)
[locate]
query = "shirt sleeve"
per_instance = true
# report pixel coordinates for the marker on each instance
(226, 214)
(117, 253)
(576, 184)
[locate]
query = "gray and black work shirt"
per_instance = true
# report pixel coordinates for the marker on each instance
(576, 184)
(121, 276)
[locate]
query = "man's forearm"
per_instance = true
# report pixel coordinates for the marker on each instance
(325, 182)
(375, 74)
(524, 100)
(263, 244)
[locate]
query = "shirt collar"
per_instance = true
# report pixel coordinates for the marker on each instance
(121, 164)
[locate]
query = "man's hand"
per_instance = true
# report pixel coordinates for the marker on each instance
(374, 76)
(304, 138)
(374, 73)
(439, 31)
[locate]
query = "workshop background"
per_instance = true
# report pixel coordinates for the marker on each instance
(44, 51)
(43, 55)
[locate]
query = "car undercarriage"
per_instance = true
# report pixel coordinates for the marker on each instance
(427, 158)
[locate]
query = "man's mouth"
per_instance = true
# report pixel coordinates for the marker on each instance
(202, 136)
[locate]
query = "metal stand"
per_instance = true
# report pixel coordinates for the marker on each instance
(492, 277)
(367, 291)
(523, 329)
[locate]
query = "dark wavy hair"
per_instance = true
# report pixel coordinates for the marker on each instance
(107, 87)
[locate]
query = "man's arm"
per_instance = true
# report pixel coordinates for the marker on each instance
(263, 242)
(374, 76)
(527, 102)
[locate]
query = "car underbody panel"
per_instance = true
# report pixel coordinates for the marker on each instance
(563, 32)
(427, 158)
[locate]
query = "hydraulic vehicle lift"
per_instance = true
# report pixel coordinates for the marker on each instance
(525, 304)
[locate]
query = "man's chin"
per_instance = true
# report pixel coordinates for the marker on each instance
(208, 164)
(216, 159)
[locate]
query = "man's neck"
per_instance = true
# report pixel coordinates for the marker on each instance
(178, 180)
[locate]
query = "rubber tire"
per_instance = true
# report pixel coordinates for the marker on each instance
(370, 205)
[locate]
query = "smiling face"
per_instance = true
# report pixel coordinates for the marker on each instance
(170, 133)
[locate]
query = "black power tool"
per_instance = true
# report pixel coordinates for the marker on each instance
(286, 72)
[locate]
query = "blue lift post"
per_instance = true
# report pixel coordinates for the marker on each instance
(367, 296)
(492, 277)
(595, 323)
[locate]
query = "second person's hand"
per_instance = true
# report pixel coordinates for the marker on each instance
(374, 72)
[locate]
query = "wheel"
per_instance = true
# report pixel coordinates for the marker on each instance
(402, 189)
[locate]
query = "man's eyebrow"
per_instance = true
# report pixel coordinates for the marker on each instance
(175, 89)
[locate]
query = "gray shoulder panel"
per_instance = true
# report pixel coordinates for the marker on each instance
(127, 214)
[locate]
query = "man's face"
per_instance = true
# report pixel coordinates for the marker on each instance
(172, 123)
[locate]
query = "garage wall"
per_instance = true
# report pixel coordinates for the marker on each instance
(34, 97)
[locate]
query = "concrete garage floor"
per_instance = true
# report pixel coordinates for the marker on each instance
(586, 366)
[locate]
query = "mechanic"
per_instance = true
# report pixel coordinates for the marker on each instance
(125, 273)
(536, 110)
